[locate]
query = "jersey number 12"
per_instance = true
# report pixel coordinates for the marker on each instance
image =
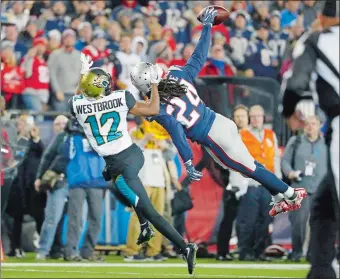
(113, 134)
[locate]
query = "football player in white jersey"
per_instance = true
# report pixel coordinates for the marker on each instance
(102, 114)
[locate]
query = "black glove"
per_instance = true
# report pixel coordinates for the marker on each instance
(107, 174)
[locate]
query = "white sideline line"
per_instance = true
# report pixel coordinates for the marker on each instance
(162, 265)
(147, 274)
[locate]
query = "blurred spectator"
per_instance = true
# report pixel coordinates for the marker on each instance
(19, 15)
(234, 186)
(100, 21)
(129, 7)
(290, 13)
(277, 5)
(37, 77)
(12, 78)
(39, 7)
(296, 32)
(155, 33)
(11, 38)
(155, 187)
(54, 40)
(139, 47)
(60, 19)
(22, 198)
(7, 124)
(124, 19)
(253, 217)
(186, 54)
(304, 162)
(82, 10)
(114, 32)
(195, 7)
(260, 59)
(86, 183)
(168, 36)
(196, 32)
(261, 16)
(239, 37)
(85, 35)
(278, 38)
(163, 54)
(75, 23)
(309, 12)
(128, 60)
(29, 33)
(217, 64)
(104, 57)
(64, 66)
(54, 160)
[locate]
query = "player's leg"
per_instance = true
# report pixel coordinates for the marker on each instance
(229, 151)
(136, 194)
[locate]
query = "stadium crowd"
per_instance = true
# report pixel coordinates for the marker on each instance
(40, 69)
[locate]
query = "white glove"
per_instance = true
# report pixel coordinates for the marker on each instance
(156, 74)
(86, 63)
(306, 108)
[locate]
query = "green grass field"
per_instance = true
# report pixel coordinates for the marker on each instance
(115, 267)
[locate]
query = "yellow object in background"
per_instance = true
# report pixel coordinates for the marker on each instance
(153, 128)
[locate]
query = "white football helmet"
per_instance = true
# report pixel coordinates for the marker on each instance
(141, 77)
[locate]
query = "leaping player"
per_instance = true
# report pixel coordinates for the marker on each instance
(184, 115)
(102, 114)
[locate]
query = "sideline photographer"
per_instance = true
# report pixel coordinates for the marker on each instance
(304, 162)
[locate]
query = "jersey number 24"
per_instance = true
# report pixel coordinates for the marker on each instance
(112, 134)
(194, 100)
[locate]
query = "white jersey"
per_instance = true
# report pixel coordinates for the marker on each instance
(104, 121)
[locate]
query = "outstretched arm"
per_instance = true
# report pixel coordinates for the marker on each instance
(198, 58)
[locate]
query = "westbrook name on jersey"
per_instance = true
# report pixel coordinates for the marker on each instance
(104, 121)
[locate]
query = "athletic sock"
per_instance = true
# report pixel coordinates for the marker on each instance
(268, 179)
(278, 197)
(290, 193)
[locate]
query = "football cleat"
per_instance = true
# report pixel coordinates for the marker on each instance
(189, 255)
(289, 205)
(145, 235)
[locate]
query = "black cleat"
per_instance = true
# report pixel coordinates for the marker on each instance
(189, 255)
(145, 235)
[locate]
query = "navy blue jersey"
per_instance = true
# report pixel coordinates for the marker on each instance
(187, 116)
(277, 42)
(259, 58)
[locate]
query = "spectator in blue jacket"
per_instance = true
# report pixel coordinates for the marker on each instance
(290, 13)
(60, 20)
(85, 35)
(260, 59)
(86, 183)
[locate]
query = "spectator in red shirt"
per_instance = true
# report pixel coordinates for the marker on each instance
(186, 54)
(37, 77)
(168, 36)
(12, 78)
(216, 65)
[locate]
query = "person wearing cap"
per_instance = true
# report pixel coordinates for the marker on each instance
(278, 38)
(37, 78)
(239, 37)
(85, 35)
(64, 65)
(317, 54)
(259, 58)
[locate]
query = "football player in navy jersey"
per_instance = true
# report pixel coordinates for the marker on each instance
(184, 115)
(278, 38)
